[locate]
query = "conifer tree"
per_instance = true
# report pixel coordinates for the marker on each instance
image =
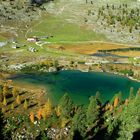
(138, 92)
(79, 122)
(92, 112)
(3, 110)
(131, 94)
(66, 106)
(39, 114)
(48, 108)
(1, 95)
(4, 101)
(14, 92)
(58, 111)
(5, 90)
(12, 106)
(44, 114)
(116, 101)
(25, 104)
(32, 117)
(126, 101)
(64, 121)
(18, 100)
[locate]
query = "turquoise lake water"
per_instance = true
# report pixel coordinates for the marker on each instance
(80, 85)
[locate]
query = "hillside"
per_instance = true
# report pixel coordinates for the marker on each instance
(86, 13)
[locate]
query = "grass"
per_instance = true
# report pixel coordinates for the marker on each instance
(90, 48)
(63, 31)
(128, 53)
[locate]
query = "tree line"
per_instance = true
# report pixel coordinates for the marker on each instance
(115, 119)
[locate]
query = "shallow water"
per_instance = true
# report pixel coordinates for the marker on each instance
(80, 85)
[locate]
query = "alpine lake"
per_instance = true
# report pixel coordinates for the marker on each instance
(79, 85)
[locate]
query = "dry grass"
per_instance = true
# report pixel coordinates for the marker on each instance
(128, 53)
(89, 48)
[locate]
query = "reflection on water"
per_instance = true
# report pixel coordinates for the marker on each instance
(80, 85)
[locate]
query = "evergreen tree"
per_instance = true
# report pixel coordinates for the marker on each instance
(131, 93)
(129, 119)
(14, 92)
(39, 114)
(5, 90)
(47, 110)
(32, 117)
(58, 111)
(66, 106)
(138, 92)
(1, 95)
(116, 101)
(92, 112)
(78, 128)
(12, 106)
(4, 101)
(18, 100)
(25, 104)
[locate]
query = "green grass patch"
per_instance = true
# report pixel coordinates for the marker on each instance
(62, 31)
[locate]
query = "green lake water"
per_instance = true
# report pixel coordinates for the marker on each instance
(79, 85)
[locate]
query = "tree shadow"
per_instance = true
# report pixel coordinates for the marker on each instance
(136, 135)
(77, 135)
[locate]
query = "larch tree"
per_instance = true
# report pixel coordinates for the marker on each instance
(32, 117)
(1, 95)
(14, 92)
(116, 101)
(39, 114)
(126, 102)
(47, 110)
(4, 101)
(5, 89)
(12, 106)
(58, 111)
(25, 105)
(18, 100)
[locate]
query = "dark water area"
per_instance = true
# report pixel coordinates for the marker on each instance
(108, 55)
(79, 85)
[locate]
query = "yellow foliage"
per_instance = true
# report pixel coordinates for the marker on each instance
(9, 82)
(25, 105)
(39, 114)
(110, 108)
(47, 62)
(44, 114)
(3, 110)
(120, 110)
(5, 90)
(14, 92)
(126, 102)
(58, 111)
(18, 100)
(107, 107)
(32, 117)
(4, 101)
(64, 121)
(12, 106)
(116, 102)
(47, 110)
